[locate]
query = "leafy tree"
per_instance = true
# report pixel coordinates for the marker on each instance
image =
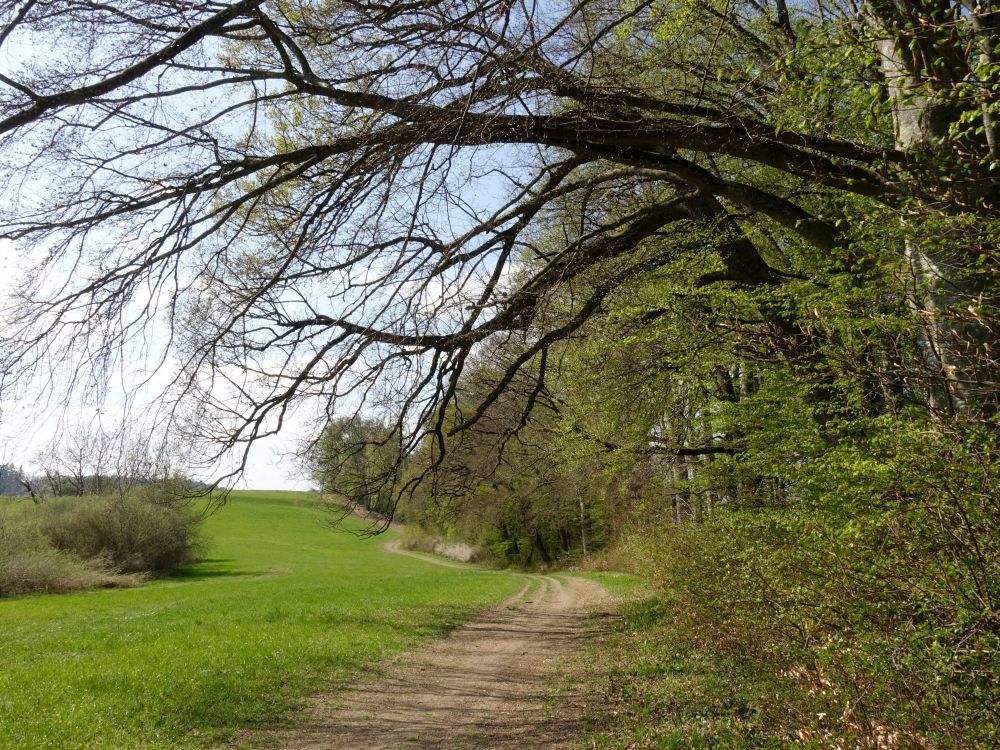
(356, 463)
(506, 483)
(736, 259)
(296, 186)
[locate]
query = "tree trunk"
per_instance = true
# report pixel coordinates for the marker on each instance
(941, 276)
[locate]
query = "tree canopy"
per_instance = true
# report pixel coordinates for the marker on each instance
(344, 199)
(717, 275)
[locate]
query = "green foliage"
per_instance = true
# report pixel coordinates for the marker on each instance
(870, 579)
(656, 688)
(849, 539)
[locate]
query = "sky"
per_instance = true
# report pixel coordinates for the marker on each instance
(27, 426)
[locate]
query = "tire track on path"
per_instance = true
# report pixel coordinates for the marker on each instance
(487, 685)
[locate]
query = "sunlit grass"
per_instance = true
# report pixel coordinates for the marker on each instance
(280, 606)
(653, 689)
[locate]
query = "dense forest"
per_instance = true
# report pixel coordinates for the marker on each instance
(707, 288)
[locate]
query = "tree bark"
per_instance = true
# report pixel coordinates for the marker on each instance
(940, 270)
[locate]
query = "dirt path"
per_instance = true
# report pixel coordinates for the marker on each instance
(490, 684)
(396, 546)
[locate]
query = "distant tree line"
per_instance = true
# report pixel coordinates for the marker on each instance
(92, 461)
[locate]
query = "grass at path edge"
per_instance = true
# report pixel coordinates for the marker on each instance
(651, 688)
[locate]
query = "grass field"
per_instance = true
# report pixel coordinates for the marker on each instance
(279, 606)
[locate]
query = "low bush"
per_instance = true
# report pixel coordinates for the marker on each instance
(29, 563)
(83, 542)
(149, 531)
(650, 688)
(878, 615)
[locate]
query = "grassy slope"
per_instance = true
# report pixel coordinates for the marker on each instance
(280, 605)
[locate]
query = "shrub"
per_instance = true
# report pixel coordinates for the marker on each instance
(415, 537)
(29, 563)
(877, 598)
(152, 530)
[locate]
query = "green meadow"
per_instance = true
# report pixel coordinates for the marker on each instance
(280, 606)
